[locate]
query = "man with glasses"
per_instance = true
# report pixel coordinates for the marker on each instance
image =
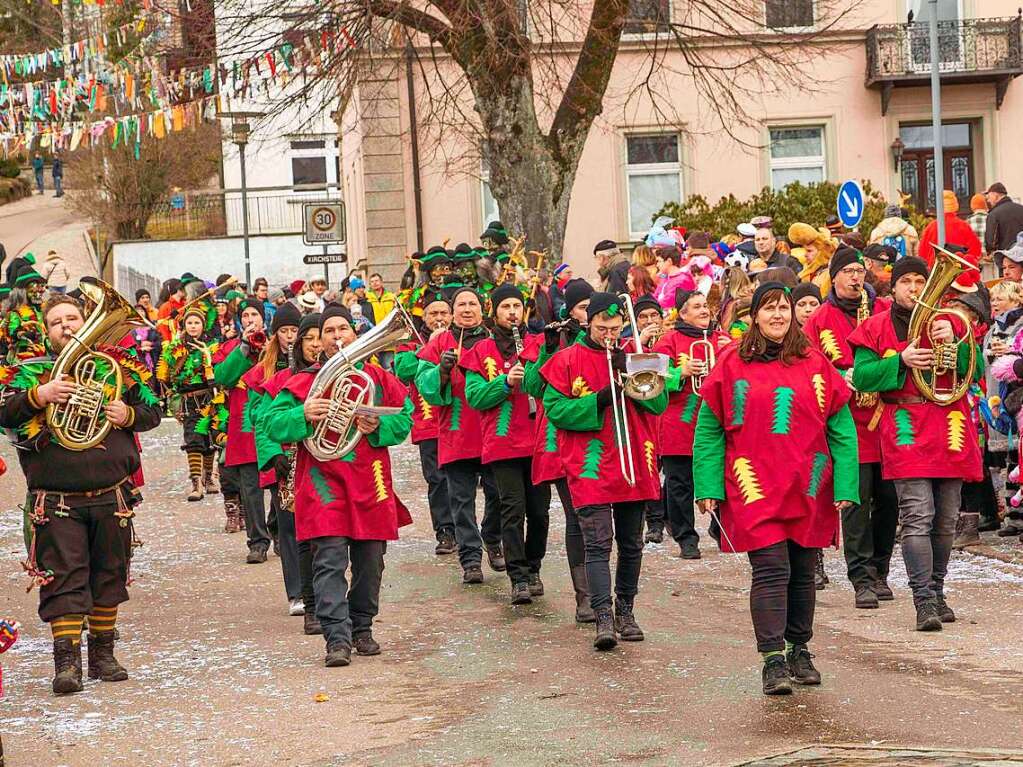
(868, 530)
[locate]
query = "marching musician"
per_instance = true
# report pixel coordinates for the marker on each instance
(232, 361)
(441, 382)
(608, 502)
(547, 465)
(345, 507)
(435, 320)
(494, 386)
(296, 555)
(82, 500)
(927, 448)
(186, 369)
(868, 528)
(773, 402)
(691, 346)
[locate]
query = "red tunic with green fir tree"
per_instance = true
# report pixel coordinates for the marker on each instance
(547, 465)
(230, 364)
(424, 415)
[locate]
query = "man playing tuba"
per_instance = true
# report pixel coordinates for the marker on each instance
(81, 499)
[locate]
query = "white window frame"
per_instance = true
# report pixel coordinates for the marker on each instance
(484, 191)
(649, 169)
(330, 151)
(795, 30)
(626, 35)
(808, 161)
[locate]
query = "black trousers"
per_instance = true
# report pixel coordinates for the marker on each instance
(436, 489)
(192, 441)
(463, 478)
(678, 497)
(622, 523)
(254, 506)
(575, 547)
(868, 530)
(525, 516)
(88, 550)
(305, 570)
(782, 597)
(229, 483)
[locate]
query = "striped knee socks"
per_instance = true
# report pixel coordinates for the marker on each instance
(67, 627)
(194, 464)
(102, 619)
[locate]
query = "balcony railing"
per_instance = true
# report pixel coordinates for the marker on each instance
(969, 51)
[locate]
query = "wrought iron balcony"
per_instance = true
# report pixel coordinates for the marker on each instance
(969, 51)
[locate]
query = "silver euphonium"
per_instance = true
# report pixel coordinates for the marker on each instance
(351, 391)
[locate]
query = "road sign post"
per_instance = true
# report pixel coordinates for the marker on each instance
(850, 204)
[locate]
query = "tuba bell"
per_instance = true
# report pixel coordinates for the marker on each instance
(947, 267)
(351, 391)
(76, 424)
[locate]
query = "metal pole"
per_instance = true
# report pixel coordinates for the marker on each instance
(939, 159)
(326, 272)
(245, 219)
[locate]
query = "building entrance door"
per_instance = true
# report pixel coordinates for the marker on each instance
(917, 168)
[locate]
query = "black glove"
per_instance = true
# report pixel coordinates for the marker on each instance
(281, 467)
(618, 360)
(447, 364)
(604, 398)
(551, 339)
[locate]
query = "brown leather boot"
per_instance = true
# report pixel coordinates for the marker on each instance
(67, 664)
(210, 480)
(233, 512)
(583, 611)
(102, 663)
(195, 494)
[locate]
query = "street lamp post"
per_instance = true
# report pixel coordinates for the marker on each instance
(240, 130)
(939, 160)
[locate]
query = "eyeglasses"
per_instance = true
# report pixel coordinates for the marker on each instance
(853, 271)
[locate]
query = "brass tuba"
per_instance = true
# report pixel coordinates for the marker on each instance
(76, 424)
(947, 267)
(351, 391)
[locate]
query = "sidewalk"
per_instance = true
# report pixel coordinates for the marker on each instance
(41, 223)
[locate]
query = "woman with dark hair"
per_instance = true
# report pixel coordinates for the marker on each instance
(761, 393)
(639, 282)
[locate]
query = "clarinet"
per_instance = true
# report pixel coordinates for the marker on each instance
(517, 338)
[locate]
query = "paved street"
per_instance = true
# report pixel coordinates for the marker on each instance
(42, 223)
(220, 675)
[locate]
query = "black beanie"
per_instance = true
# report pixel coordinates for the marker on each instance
(805, 290)
(909, 265)
(682, 295)
(139, 293)
(503, 293)
(761, 291)
(842, 258)
(462, 289)
(307, 323)
(645, 302)
(251, 302)
(604, 302)
(575, 291)
(335, 310)
(287, 315)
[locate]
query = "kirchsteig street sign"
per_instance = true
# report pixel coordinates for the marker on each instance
(324, 223)
(325, 258)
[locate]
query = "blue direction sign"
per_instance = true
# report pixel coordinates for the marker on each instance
(850, 204)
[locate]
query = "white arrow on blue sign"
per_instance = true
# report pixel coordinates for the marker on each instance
(850, 204)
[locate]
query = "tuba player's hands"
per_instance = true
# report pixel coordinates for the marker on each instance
(117, 413)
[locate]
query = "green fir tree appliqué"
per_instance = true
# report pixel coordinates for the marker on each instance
(904, 427)
(551, 438)
(349, 457)
(591, 461)
(504, 418)
(740, 389)
(456, 414)
(691, 406)
(782, 410)
(820, 462)
(321, 486)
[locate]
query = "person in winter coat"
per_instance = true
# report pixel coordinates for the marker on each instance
(56, 272)
(895, 231)
(957, 232)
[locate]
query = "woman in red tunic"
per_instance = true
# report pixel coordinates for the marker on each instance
(776, 456)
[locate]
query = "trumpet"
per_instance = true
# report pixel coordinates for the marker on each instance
(707, 356)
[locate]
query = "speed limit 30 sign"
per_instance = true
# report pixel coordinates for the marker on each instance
(324, 223)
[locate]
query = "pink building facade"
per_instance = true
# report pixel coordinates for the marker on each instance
(872, 88)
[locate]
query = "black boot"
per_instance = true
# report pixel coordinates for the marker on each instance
(945, 613)
(445, 543)
(67, 664)
(625, 622)
(882, 589)
(801, 668)
(495, 556)
(927, 618)
(102, 663)
(338, 655)
(365, 644)
(256, 555)
(820, 578)
(606, 638)
(583, 611)
(535, 585)
(775, 676)
(520, 594)
(654, 535)
(866, 599)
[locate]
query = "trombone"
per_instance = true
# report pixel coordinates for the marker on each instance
(623, 436)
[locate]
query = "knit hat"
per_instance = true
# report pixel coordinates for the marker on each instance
(307, 323)
(977, 202)
(251, 302)
(274, 295)
(355, 283)
(843, 257)
(307, 301)
(26, 276)
(141, 292)
(646, 301)
(575, 291)
(893, 211)
(559, 269)
(762, 290)
(805, 290)
(682, 296)
(604, 302)
(431, 297)
(909, 265)
(886, 254)
(605, 246)
(198, 309)
(296, 286)
(287, 315)
(495, 231)
(454, 292)
(335, 310)
(503, 293)
(951, 202)
(434, 257)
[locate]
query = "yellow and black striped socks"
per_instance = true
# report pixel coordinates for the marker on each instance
(68, 627)
(194, 464)
(207, 465)
(102, 619)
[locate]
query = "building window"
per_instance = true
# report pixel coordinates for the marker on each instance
(789, 14)
(797, 154)
(308, 170)
(488, 205)
(647, 16)
(653, 173)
